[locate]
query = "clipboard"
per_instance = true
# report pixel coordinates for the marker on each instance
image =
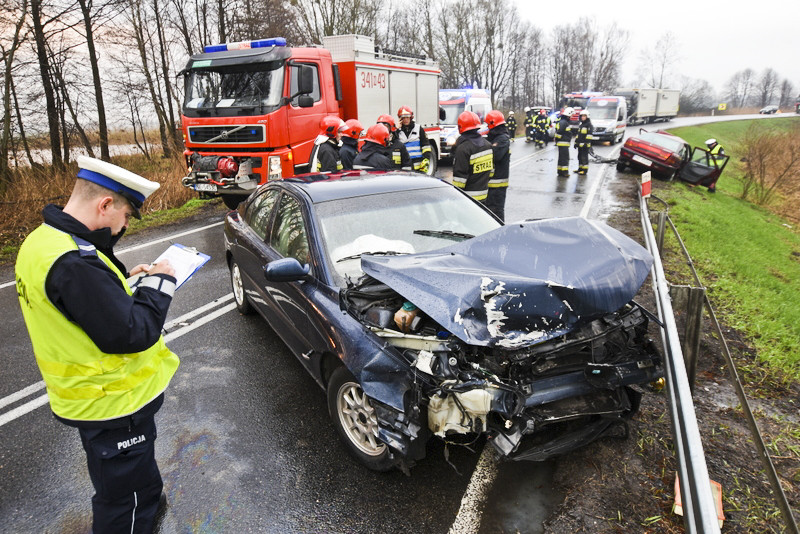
(185, 260)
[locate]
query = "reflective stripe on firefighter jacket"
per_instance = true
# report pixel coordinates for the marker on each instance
(501, 156)
(542, 123)
(584, 137)
(416, 143)
(328, 157)
(563, 132)
(472, 164)
(83, 382)
(512, 126)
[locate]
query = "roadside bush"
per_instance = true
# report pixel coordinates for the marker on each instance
(771, 164)
(31, 189)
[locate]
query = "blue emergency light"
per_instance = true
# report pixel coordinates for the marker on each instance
(243, 45)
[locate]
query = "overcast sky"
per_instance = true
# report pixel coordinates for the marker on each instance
(716, 38)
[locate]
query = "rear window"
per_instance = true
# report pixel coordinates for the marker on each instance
(675, 144)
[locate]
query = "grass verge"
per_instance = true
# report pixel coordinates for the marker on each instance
(748, 257)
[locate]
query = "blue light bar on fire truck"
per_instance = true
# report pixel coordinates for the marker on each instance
(243, 45)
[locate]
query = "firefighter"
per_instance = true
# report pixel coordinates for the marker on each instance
(715, 150)
(98, 343)
(583, 142)
(414, 138)
(396, 150)
(511, 124)
(530, 127)
(563, 137)
(501, 157)
(350, 132)
(542, 124)
(472, 158)
(328, 151)
(373, 154)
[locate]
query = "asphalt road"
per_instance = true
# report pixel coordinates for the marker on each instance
(245, 442)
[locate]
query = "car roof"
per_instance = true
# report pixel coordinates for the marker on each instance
(334, 186)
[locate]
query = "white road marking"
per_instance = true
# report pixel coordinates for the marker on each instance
(29, 406)
(468, 519)
(599, 181)
(145, 245)
(21, 394)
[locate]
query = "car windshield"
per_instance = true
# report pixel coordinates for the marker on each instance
(398, 222)
(673, 144)
(255, 86)
(602, 112)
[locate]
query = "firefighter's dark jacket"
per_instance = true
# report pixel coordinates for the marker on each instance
(472, 164)
(563, 132)
(373, 156)
(348, 152)
(501, 150)
(328, 157)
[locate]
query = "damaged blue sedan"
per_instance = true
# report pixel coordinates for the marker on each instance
(420, 314)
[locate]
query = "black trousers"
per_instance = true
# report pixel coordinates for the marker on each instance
(563, 160)
(125, 476)
(496, 201)
(583, 159)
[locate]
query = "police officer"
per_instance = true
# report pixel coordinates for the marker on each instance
(542, 125)
(414, 138)
(501, 157)
(327, 157)
(472, 158)
(396, 150)
(373, 154)
(350, 132)
(511, 123)
(716, 150)
(98, 343)
(530, 126)
(583, 142)
(563, 137)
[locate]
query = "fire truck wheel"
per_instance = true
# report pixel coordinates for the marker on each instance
(232, 201)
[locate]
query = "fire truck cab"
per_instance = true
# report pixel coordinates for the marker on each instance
(251, 110)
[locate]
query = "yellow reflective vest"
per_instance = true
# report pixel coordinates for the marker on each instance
(83, 382)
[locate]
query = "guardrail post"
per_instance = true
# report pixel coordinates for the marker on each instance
(692, 300)
(662, 223)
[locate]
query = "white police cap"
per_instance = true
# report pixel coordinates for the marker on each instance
(134, 188)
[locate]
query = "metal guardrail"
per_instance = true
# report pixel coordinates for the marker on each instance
(769, 468)
(699, 509)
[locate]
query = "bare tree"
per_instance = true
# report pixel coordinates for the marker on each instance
(609, 54)
(315, 19)
(14, 18)
(786, 91)
(696, 96)
(767, 85)
(656, 64)
(739, 88)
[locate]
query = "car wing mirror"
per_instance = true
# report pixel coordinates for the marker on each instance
(286, 270)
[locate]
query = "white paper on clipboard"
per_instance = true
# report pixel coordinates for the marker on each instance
(185, 260)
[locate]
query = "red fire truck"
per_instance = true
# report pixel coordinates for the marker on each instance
(577, 101)
(251, 110)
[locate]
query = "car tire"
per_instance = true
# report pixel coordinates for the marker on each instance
(356, 422)
(433, 162)
(232, 201)
(621, 166)
(239, 294)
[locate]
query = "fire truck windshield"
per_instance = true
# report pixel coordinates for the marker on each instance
(252, 89)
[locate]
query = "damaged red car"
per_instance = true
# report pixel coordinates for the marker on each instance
(421, 315)
(668, 157)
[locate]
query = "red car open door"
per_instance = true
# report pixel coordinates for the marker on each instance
(703, 168)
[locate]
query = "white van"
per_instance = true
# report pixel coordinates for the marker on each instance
(609, 115)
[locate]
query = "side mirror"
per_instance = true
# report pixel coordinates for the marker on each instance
(305, 101)
(305, 81)
(442, 113)
(285, 270)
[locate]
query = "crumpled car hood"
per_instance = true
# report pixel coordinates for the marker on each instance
(520, 284)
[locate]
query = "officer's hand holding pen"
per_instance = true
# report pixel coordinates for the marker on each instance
(162, 267)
